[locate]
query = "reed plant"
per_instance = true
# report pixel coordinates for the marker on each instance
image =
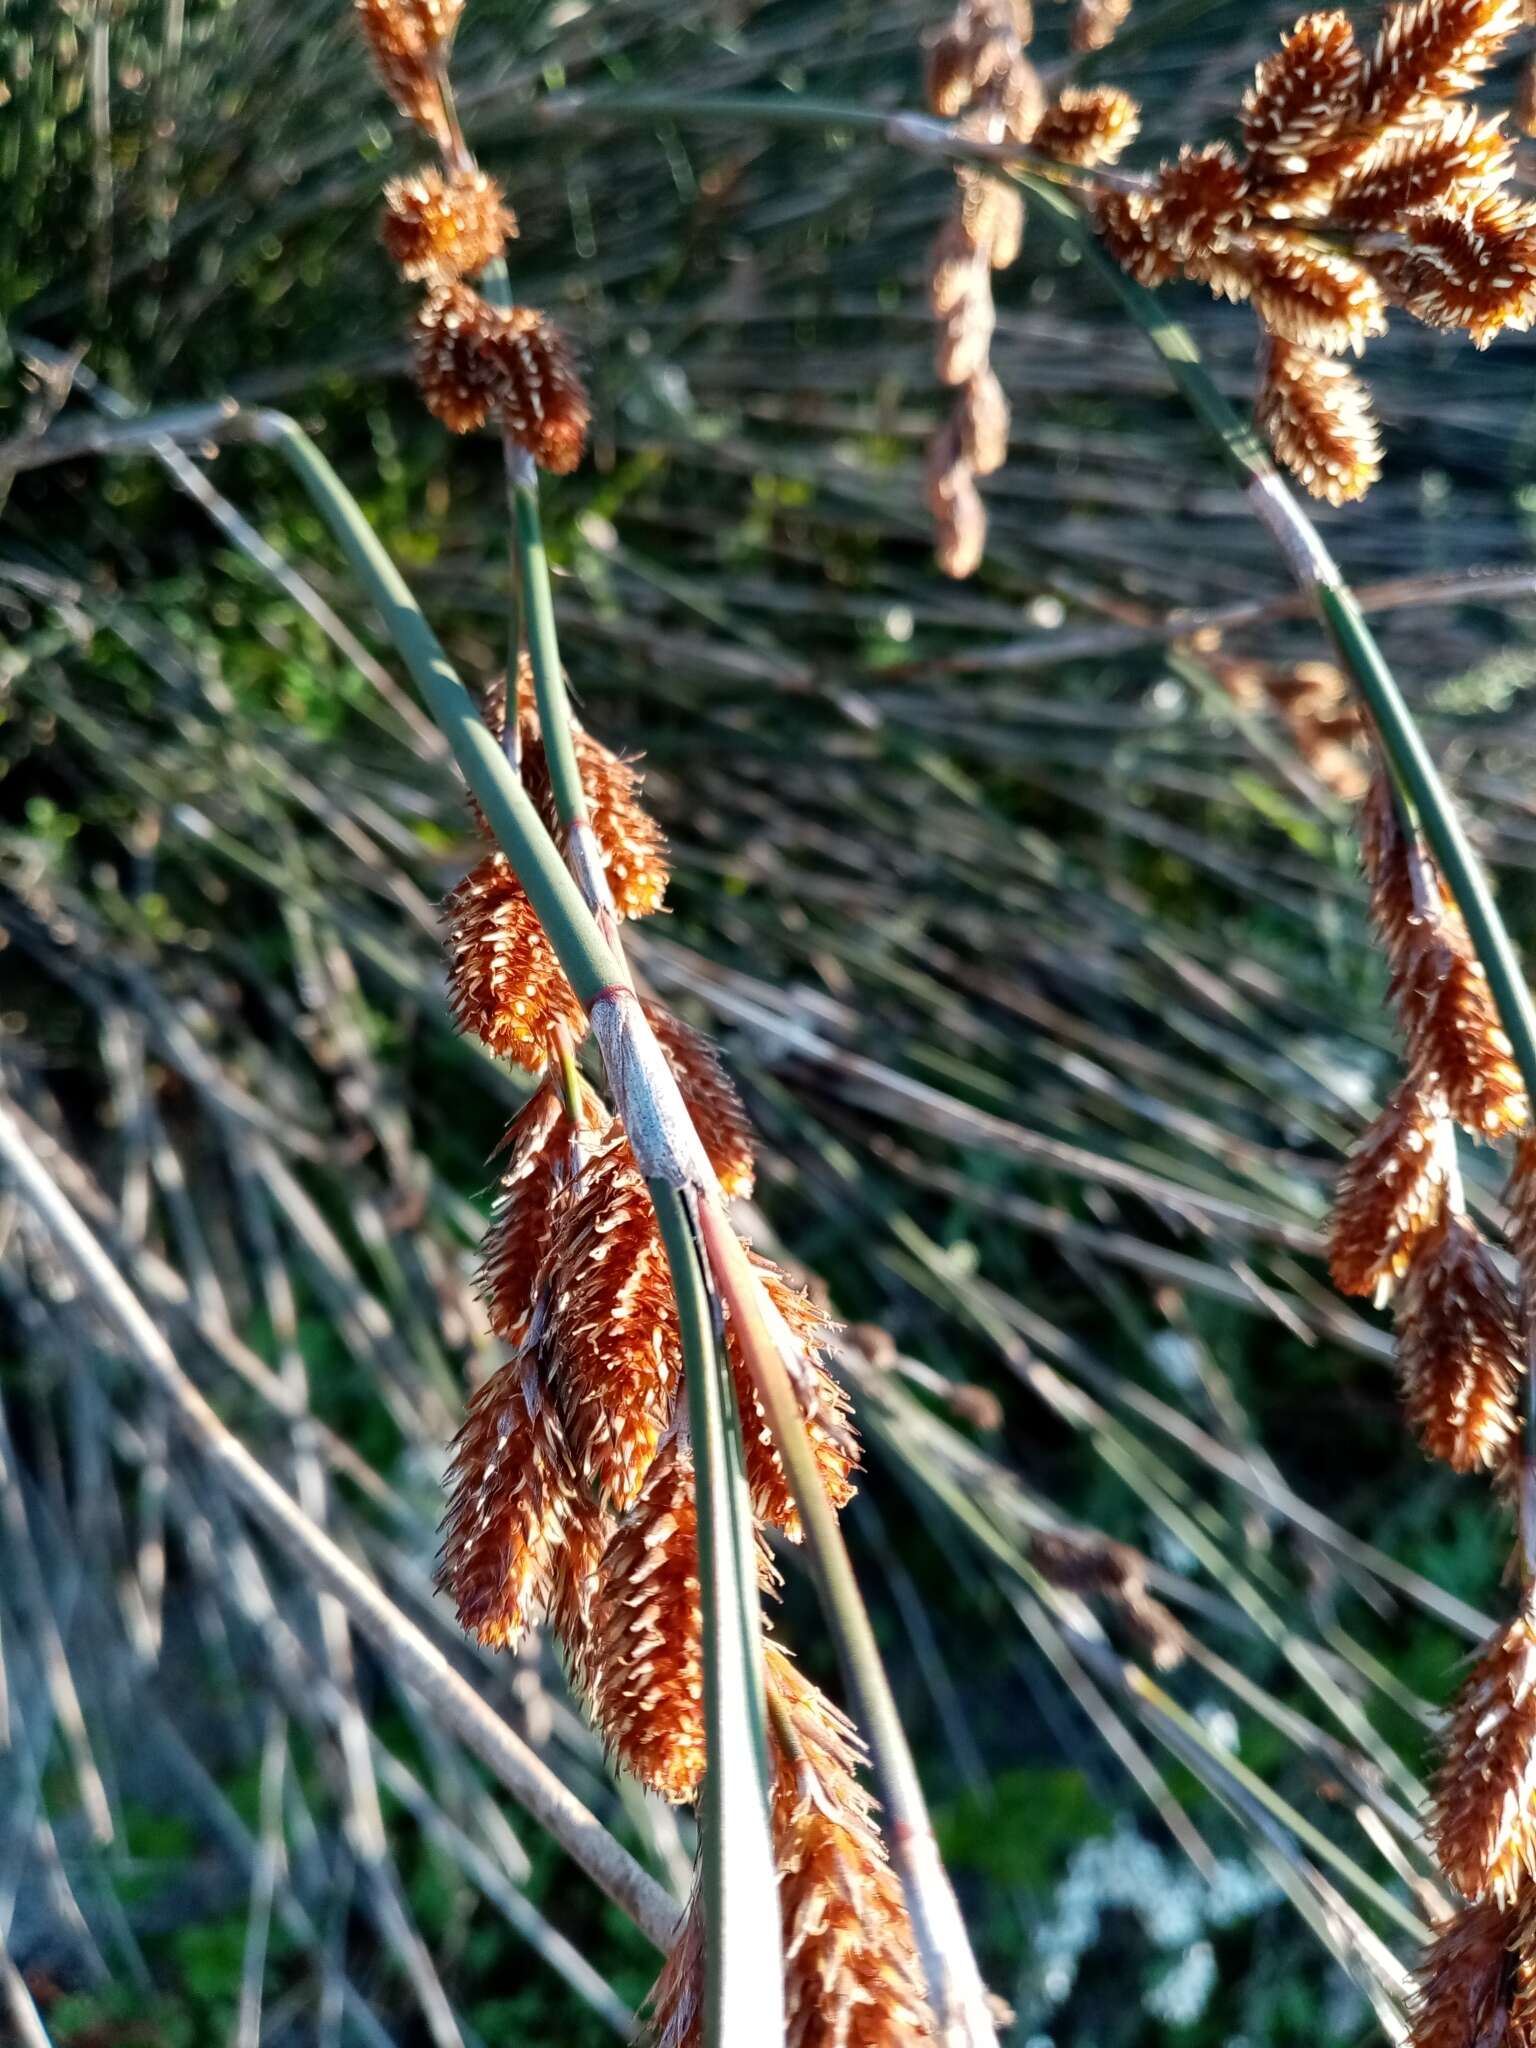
(665, 1402)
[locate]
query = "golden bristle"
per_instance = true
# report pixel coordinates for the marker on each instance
(408, 39)
(1088, 125)
(1301, 98)
(1316, 416)
(824, 1408)
(710, 1097)
(510, 1486)
(610, 1338)
(1096, 23)
(1312, 296)
(959, 516)
(1484, 1820)
(1467, 1981)
(1456, 158)
(1431, 50)
(439, 228)
(1459, 1351)
(505, 984)
(851, 1974)
(477, 362)
(981, 423)
(1470, 267)
(1129, 227)
(649, 1700)
(1391, 1194)
(1200, 200)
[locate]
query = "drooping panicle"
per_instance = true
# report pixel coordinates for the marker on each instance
(479, 363)
(1316, 415)
(1391, 1194)
(505, 983)
(1484, 1820)
(1459, 1350)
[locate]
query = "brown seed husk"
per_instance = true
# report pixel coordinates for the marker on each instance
(1391, 1195)
(1483, 1825)
(440, 228)
(505, 984)
(1459, 1352)
(510, 1490)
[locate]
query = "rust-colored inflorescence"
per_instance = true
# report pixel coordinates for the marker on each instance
(823, 1406)
(1391, 1193)
(476, 362)
(438, 228)
(978, 74)
(609, 1333)
(649, 1661)
(1484, 1823)
(505, 984)
(409, 40)
(1087, 125)
(1362, 184)
(510, 1490)
(1475, 1982)
(1458, 1348)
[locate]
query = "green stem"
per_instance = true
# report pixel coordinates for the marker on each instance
(955, 1989)
(589, 963)
(744, 1986)
(543, 642)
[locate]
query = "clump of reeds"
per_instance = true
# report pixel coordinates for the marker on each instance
(1364, 182)
(573, 1490)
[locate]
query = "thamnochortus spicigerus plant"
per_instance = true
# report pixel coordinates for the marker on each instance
(574, 1495)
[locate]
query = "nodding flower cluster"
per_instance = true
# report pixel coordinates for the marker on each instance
(1401, 1232)
(477, 364)
(1364, 183)
(979, 76)
(571, 1485)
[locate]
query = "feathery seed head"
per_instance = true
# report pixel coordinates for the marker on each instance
(824, 1407)
(1130, 227)
(477, 362)
(547, 1151)
(408, 39)
(609, 1340)
(1313, 296)
(633, 850)
(1301, 98)
(584, 1536)
(1459, 1351)
(439, 228)
(649, 1700)
(505, 984)
(1200, 200)
(956, 268)
(964, 343)
(1391, 1195)
(1316, 416)
(1088, 125)
(1484, 1818)
(1469, 266)
(1431, 50)
(1455, 158)
(959, 517)
(1469, 1981)
(510, 1488)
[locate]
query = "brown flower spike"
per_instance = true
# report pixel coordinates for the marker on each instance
(1391, 1194)
(437, 229)
(476, 362)
(511, 1487)
(408, 40)
(1484, 1825)
(1316, 415)
(648, 1640)
(1459, 1349)
(505, 984)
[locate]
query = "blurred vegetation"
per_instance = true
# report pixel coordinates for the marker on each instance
(1042, 963)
